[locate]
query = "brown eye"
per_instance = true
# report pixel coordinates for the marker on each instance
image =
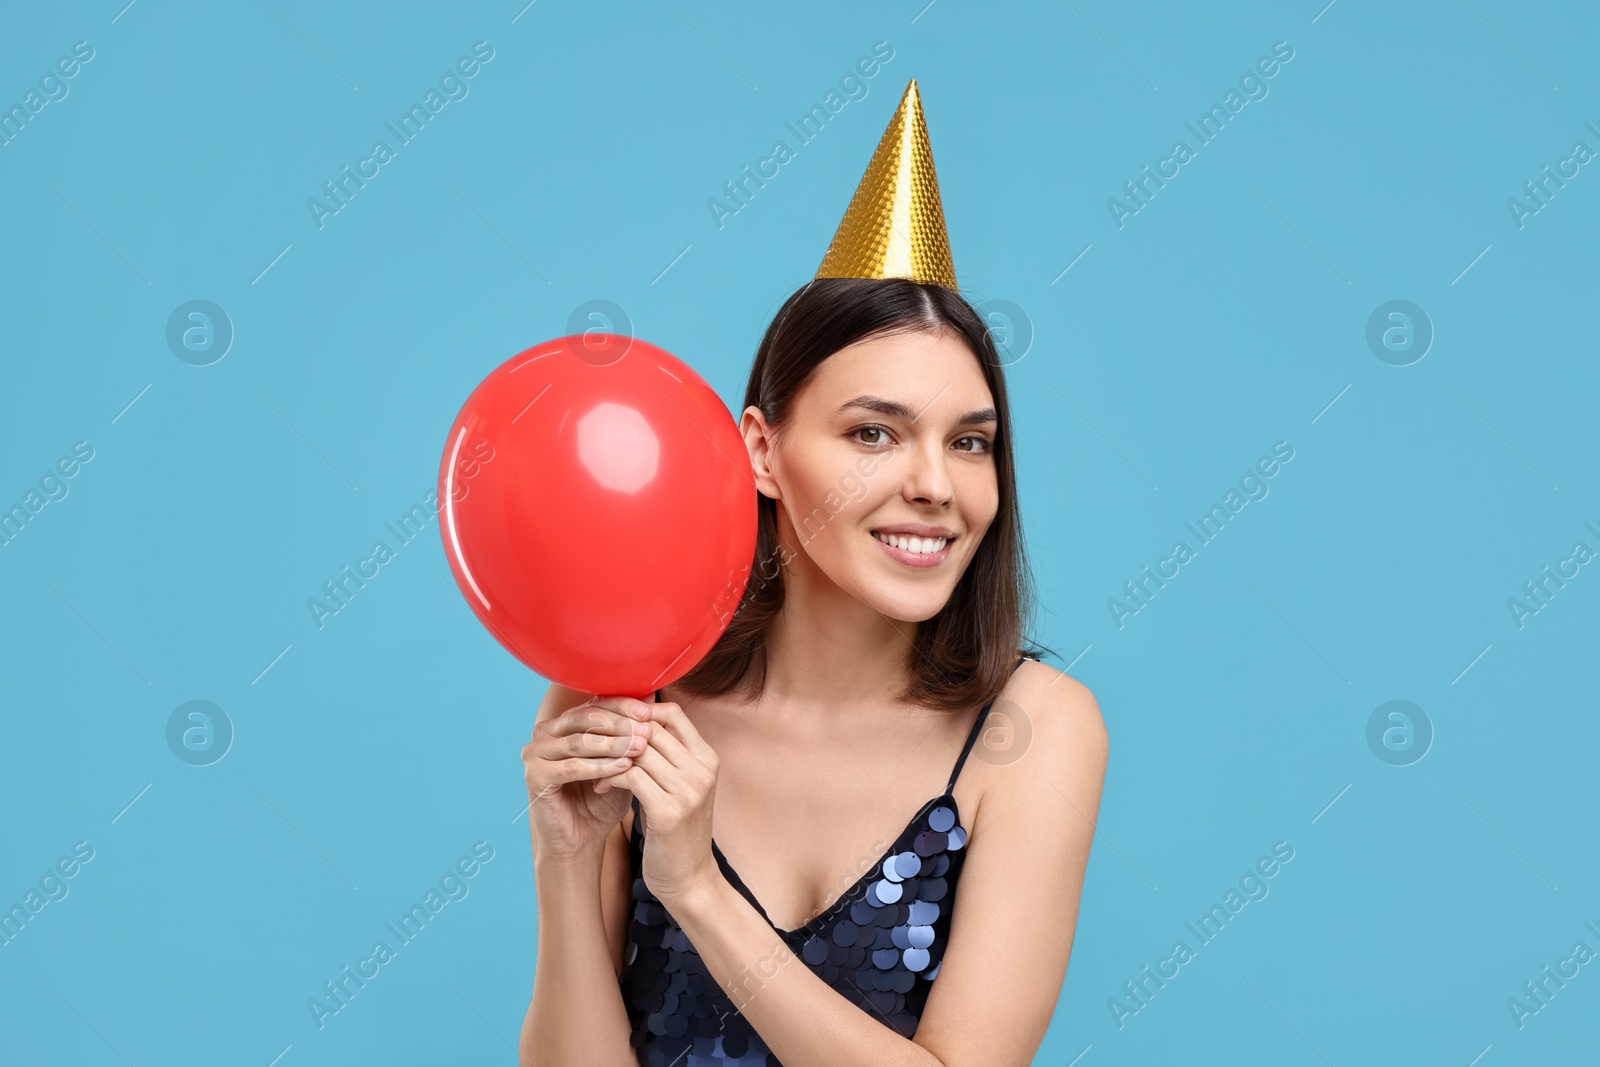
(873, 429)
(982, 445)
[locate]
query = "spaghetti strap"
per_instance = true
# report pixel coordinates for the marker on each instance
(977, 728)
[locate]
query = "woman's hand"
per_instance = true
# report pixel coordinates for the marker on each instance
(567, 761)
(675, 779)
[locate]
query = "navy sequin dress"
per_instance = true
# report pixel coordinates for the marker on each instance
(880, 944)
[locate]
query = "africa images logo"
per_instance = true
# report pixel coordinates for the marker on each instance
(452, 87)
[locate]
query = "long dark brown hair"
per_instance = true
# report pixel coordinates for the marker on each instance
(962, 656)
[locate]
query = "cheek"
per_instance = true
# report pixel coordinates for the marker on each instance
(978, 496)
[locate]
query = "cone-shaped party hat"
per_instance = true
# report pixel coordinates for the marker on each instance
(894, 226)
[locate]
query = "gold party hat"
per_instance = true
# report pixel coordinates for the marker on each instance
(894, 226)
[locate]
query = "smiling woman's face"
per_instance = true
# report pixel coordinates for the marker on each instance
(884, 472)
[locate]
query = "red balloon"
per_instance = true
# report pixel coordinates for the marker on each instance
(599, 512)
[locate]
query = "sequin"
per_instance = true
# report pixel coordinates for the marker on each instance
(880, 945)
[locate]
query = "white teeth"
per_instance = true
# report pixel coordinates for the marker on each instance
(922, 546)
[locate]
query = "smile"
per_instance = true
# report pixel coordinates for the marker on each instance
(915, 551)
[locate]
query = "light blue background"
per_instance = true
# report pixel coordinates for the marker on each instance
(1224, 317)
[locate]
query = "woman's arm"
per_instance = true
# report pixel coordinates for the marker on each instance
(802, 1019)
(1017, 906)
(576, 1017)
(1011, 931)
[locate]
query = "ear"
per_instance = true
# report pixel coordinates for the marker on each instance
(760, 442)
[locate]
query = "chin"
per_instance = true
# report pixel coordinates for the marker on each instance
(905, 605)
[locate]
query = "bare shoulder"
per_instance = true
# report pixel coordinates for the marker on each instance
(1002, 972)
(1062, 716)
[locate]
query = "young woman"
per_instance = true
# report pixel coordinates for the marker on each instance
(876, 670)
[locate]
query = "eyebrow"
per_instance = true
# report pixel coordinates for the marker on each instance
(895, 409)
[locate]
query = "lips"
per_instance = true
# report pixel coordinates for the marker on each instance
(915, 545)
(914, 551)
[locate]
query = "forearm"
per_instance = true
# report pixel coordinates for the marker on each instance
(576, 1017)
(802, 1019)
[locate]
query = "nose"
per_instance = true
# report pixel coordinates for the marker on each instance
(927, 479)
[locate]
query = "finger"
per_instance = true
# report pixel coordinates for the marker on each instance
(668, 777)
(632, 707)
(644, 788)
(609, 781)
(590, 733)
(590, 744)
(672, 717)
(663, 740)
(587, 717)
(551, 750)
(576, 769)
(683, 788)
(654, 799)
